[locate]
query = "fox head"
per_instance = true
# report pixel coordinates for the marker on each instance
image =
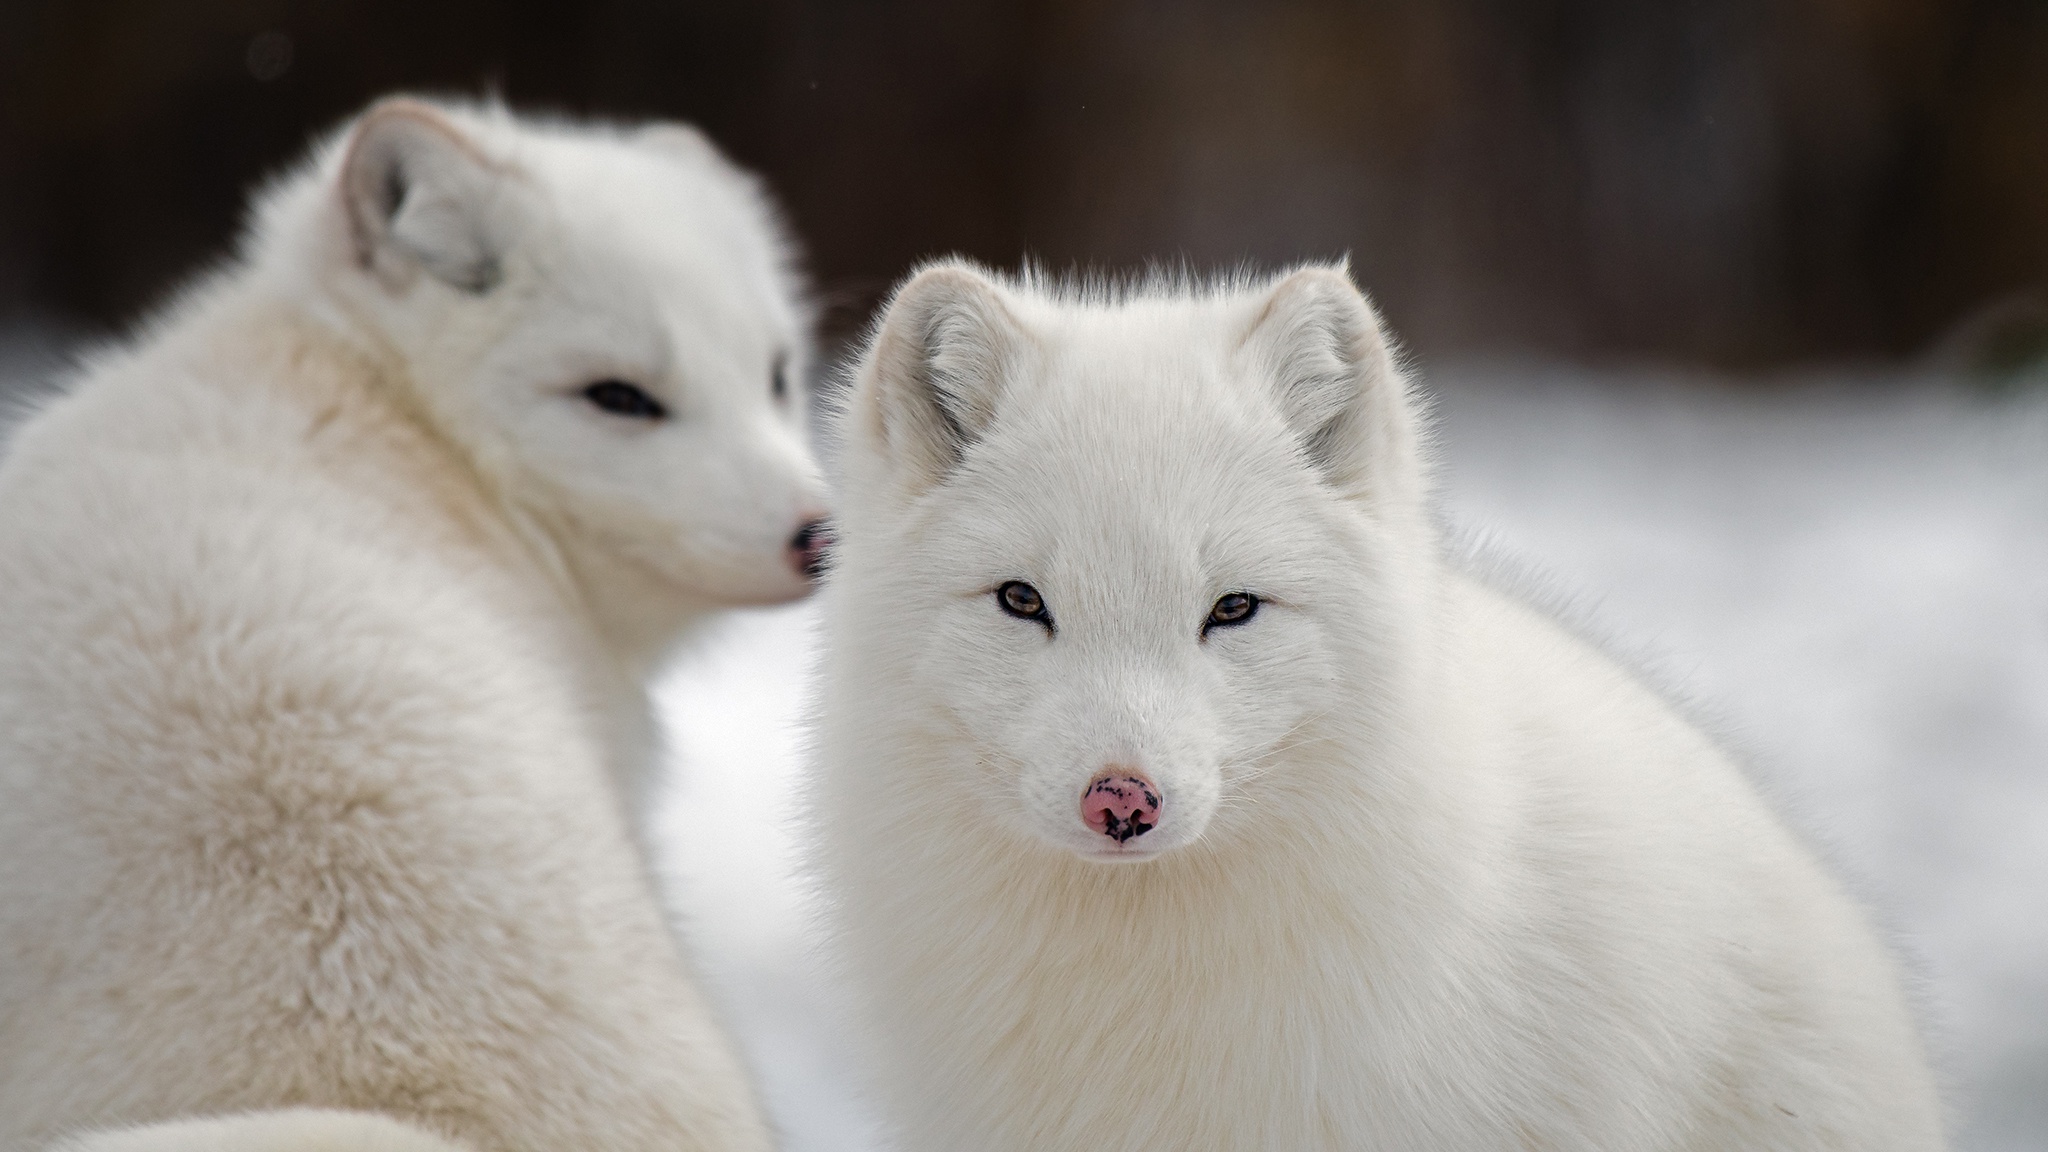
(1114, 561)
(602, 319)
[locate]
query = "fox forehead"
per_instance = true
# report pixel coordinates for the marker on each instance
(1157, 493)
(631, 221)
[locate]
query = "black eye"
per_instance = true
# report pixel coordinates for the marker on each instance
(1231, 608)
(622, 399)
(778, 385)
(1023, 601)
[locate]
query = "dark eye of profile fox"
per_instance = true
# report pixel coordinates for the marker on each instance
(622, 399)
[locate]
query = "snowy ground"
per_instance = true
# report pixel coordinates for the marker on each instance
(1849, 583)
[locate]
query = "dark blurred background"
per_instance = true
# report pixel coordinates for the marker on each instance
(1732, 182)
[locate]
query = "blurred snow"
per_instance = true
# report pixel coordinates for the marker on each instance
(1848, 582)
(734, 713)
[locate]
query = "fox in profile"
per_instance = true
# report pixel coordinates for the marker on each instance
(329, 607)
(1173, 789)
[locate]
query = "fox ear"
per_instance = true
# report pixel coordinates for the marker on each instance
(677, 139)
(1318, 342)
(422, 197)
(935, 369)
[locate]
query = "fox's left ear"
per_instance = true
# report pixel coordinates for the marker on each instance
(1318, 342)
(421, 196)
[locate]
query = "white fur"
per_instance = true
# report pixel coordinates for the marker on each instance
(298, 1129)
(329, 605)
(1430, 874)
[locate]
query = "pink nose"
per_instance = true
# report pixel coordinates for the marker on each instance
(1121, 804)
(808, 547)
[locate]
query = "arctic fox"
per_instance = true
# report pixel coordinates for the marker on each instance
(328, 607)
(1173, 791)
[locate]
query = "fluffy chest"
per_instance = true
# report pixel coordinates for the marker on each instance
(1108, 1011)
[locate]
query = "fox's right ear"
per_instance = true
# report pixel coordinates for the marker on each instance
(421, 197)
(1337, 382)
(934, 372)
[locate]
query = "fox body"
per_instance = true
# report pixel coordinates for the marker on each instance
(330, 602)
(1173, 791)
